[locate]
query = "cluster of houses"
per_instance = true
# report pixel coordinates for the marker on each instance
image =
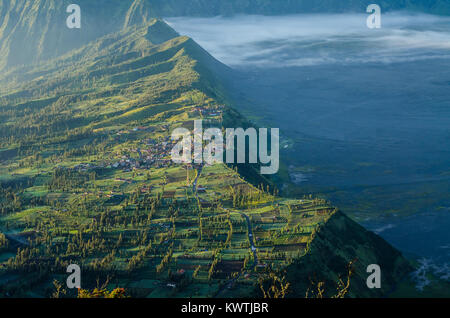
(154, 153)
(209, 112)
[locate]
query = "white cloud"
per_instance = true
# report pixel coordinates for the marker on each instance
(299, 40)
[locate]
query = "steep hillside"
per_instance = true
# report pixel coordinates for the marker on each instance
(86, 178)
(335, 245)
(32, 31)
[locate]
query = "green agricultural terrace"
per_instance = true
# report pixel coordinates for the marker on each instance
(86, 178)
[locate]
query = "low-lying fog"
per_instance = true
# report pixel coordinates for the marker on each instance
(299, 40)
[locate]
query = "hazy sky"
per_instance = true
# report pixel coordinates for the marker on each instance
(299, 40)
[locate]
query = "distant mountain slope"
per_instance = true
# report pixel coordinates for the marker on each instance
(165, 8)
(32, 31)
(35, 30)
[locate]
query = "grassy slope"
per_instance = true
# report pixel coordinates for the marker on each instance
(51, 115)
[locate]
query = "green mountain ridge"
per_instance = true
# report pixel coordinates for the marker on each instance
(338, 242)
(76, 183)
